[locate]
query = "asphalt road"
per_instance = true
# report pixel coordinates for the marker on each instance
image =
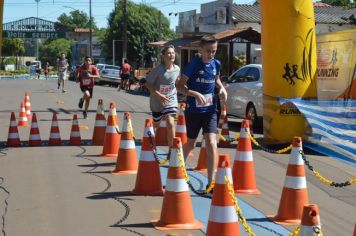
(69, 190)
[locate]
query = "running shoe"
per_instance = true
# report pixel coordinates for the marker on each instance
(80, 104)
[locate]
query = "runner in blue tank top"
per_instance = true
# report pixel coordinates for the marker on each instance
(198, 81)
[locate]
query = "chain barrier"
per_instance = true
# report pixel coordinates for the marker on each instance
(154, 150)
(316, 230)
(238, 210)
(230, 140)
(280, 151)
(324, 179)
(187, 179)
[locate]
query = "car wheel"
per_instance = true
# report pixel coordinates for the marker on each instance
(251, 111)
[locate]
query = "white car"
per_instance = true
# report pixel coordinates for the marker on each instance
(109, 74)
(244, 89)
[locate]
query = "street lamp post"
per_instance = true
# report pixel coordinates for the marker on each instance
(90, 31)
(37, 1)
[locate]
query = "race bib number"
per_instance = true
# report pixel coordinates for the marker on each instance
(86, 81)
(166, 89)
(62, 69)
(209, 101)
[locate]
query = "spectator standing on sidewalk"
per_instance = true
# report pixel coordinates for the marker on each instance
(86, 74)
(62, 66)
(198, 81)
(163, 93)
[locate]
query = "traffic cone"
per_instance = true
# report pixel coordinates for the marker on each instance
(126, 162)
(181, 129)
(75, 132)
(202, 160)
(100, 125)
(223, 114)
(13, 138)
(55, 136)
(112, 137)
(244, 171)
(148, 179)
(35, 137)
(225, 133)
(22, 116)
(28, 106)
(161, 135)
(249, 118)
(223, 218)
(177, 211)
(294, 193)
(310, 220)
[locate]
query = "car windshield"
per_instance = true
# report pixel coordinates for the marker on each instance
(99, 67)
(246, 74)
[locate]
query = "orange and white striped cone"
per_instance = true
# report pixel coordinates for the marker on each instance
(223, 219)
(112, 137)
(54, 136)
(223, 114)
(22, 116)
(100, 125)
(249, 118)
(202, 165)
(148, 179)
(161, 135)
(225, 133)
(126, 162)
(13, 138)
(181, 129)
(243, 172)
(75, 138)
(28, 106)
(177, 210)
(295, 192)
(35, 137)
(310, 225)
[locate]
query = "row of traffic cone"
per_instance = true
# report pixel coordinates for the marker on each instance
(13, 139)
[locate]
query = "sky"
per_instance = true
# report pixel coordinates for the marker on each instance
(51, 9)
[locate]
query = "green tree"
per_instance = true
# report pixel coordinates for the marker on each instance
(50, 50)
(12, 47)
(75, 19)
(142, 27)
(343, 3)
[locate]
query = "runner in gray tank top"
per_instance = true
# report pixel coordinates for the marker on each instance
(163, 93)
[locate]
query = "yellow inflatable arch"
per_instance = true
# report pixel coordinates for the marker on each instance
(289, 65)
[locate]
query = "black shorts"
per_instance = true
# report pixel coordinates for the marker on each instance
(125, 76)
(86, 88)
(157, 116)
(196, 121)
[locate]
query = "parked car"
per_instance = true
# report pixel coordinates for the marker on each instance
(72, 72)
(109, 74)
(244, 89)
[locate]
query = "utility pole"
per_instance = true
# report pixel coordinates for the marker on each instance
(90, 31)
(37, 1)
(124, 35)
(159, 32)
(1, 20)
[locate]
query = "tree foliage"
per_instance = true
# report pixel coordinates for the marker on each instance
(75, 19)
(343, 3)
(142, 27)
(13, 47)
(50, 50)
